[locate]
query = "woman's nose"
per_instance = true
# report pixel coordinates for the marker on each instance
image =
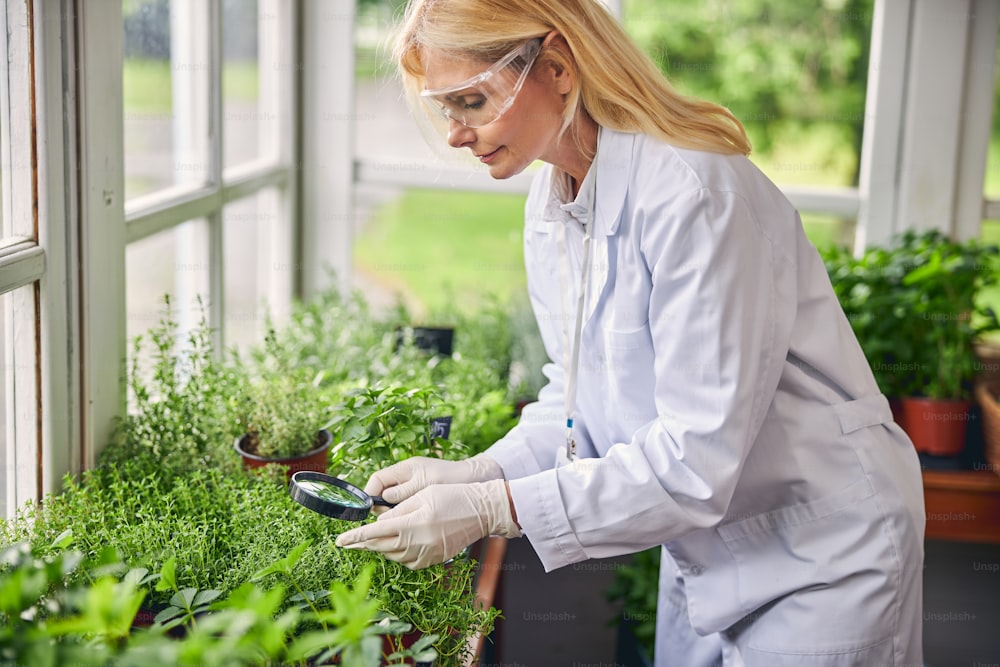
(459, 135)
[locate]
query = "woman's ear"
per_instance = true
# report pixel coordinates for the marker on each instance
(559, 66)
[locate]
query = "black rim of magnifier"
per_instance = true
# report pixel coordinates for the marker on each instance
(328, 507)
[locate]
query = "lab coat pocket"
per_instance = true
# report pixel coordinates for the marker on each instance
(828, 558)
(628, 368)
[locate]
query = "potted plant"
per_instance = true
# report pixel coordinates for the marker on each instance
(914, 308)
(281, 415)
(167, 488)
(941, 293)
(381, 424)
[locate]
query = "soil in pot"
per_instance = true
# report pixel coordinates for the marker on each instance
(315, 460)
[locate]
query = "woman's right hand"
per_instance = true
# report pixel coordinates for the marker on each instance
(402, 480)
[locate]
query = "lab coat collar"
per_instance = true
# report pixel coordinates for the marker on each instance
(614, 164)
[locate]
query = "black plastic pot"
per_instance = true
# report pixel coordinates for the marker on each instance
(436, 340)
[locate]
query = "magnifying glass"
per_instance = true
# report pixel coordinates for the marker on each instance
(331, 496)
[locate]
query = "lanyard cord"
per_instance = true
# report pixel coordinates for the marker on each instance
(572, 370)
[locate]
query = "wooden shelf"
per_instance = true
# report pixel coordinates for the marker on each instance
(962, 505)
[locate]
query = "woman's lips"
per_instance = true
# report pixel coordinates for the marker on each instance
(487, 157)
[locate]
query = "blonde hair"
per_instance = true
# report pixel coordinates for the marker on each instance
(614, 82)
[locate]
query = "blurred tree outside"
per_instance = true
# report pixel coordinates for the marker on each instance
(786, 69)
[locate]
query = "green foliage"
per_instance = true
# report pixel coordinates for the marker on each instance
(182, 412)
(43, 621)
(282, 409)
(636, 587)
(380, 425)
(914, 309)
(775, 65)
(170, 495)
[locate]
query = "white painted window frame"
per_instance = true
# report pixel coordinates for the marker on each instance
(275, 168)
(39, 340)
(62, 253)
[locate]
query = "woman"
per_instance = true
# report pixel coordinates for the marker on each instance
(716, 400)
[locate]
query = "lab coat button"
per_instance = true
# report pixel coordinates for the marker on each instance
(695, 570)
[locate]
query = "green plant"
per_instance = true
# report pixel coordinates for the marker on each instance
(183, 507)
(635, 587)
(43, 621)
(378, 425)
(181, 412)
(281, 408)
(225, 529)
(914, 309)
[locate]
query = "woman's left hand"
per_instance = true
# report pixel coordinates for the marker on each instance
(436, 523)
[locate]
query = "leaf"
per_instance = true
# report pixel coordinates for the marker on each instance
(204, 597)
(63, 540)
(286, 564)
(310, 643)
(167, 614)
(168, 572)
(135, 576)
(184, 597)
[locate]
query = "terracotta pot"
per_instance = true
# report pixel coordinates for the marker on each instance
(936, 427)
(316, 460)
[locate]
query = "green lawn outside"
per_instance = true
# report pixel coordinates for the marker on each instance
(436, 248)
(147, 84)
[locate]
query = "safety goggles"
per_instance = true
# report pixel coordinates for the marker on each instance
(482, 99)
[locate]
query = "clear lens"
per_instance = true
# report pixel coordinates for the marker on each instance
(482, 99)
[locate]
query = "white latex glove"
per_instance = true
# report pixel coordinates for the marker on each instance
(401, 480)
(436, 523)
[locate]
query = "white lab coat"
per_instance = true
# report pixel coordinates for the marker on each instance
(728, 413)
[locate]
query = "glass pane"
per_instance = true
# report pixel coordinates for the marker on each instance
(794, 73)
(165, 84)
(383, 125)
(245, 118)
(991, 188)
(174, 262)
(255, 266)
(431, 262)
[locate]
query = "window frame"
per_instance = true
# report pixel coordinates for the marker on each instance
(62, 265)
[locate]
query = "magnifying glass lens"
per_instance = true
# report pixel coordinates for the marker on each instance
(331, 496)
(331, 492)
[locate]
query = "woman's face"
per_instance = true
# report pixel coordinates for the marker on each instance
(529, 129)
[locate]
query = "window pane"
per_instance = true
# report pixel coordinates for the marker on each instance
(794, 73)
(383, 125)
(257, 265)
(244, 117)
(991, 187)
(441, 260)
(165, 86)
(174, 262)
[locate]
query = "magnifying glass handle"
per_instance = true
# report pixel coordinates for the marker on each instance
(378, 500)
